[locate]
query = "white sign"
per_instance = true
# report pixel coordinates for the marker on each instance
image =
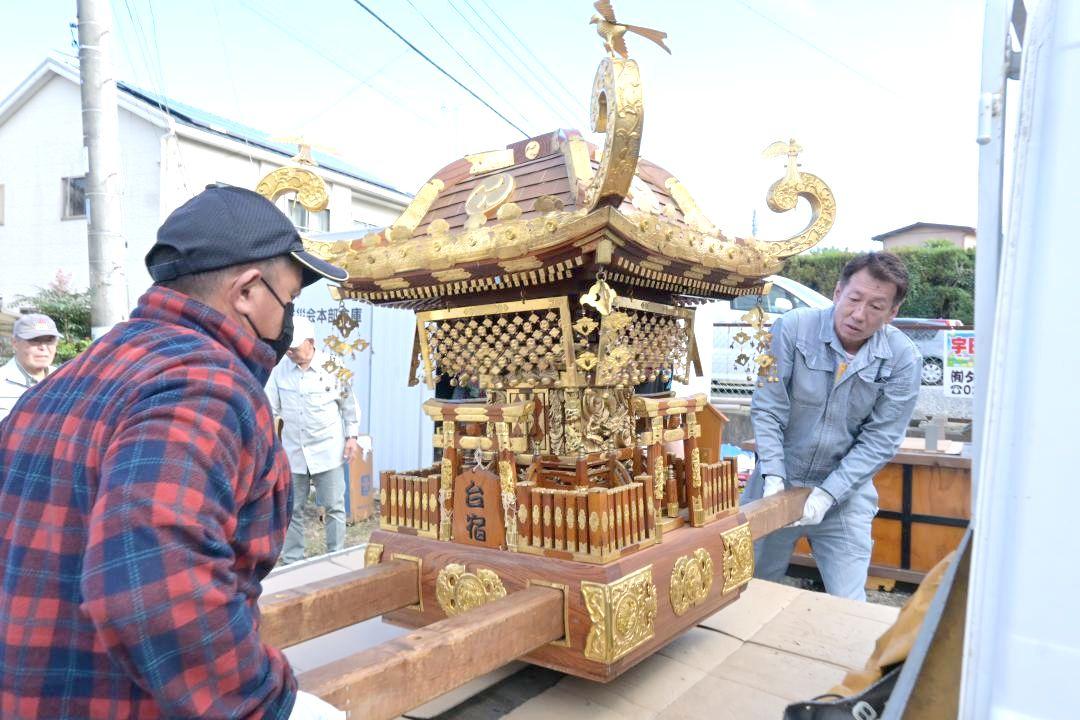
(959, 378)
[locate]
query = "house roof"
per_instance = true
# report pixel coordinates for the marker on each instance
(919, 226)
(187, 115)
(208, 121)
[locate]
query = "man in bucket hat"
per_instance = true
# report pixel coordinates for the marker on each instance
(145, 494)
(34, 339)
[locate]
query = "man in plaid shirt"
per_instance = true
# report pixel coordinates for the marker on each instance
(144, 494)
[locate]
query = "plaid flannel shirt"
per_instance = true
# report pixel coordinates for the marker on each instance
(143, 497)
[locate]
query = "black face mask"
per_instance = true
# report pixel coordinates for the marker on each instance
(282, 342)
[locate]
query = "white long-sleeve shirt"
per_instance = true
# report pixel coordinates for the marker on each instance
(317, 420)
(14, 381)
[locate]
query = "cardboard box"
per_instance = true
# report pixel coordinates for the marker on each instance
(361, 488)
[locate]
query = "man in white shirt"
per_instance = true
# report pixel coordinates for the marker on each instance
(321, 423)
(34, 339)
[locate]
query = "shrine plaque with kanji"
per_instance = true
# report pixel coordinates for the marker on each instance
(478, 516)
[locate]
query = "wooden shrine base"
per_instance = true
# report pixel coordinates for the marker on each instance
(610, 634)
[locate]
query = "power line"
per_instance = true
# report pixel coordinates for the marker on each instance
(464, 60)
(498, 54)
(335, 63)
(540, 63)
(232, 79)
(811, 45)
(439, 67)
(363, 82)
(156, 77)
(528, 67)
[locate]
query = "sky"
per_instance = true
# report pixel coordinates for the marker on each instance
(881, 94)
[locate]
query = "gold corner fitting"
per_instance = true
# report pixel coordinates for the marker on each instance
(738, 557)
(373, 554)
(623, 615)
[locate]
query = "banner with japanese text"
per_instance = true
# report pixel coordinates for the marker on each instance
(959, 380)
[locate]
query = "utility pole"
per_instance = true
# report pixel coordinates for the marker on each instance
(101, 136)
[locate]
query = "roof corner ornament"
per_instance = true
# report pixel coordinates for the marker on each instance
(784, 195)
(297, 177)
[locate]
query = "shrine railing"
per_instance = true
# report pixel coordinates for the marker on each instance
(585, 524)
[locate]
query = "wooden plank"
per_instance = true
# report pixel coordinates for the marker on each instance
(305, 612)
(930, 543)
(911, 457)
(887, 538)
(398, 675)
(942, 492)
(772, 513)
(890, 487)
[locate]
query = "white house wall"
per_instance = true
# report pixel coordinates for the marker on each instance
(39, 145)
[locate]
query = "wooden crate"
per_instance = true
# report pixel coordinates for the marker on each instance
(361, 488)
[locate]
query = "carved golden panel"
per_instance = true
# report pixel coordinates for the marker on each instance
(691, 580)
(459, 591)
(623, 615)
(373, 554)
(738, 557)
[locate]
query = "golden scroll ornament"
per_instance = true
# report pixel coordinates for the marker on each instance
(623, 615)
(309, 188)
(691, 580)
(617, 111)
(738, 556)
(459, 591)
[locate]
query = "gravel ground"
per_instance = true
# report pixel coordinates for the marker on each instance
(895, 597)
(315, 532)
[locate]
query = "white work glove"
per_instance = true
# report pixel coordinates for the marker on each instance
(311, 707)
(817, 504)
(773, 485)
(364, 441)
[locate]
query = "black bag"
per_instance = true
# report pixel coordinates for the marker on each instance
(867, 705)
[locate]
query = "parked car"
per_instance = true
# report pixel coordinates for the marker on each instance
(929, 336)
(723, 321)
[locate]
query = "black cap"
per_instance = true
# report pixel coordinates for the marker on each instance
(223, 226)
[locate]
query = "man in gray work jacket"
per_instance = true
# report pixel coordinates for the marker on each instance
(848, 382)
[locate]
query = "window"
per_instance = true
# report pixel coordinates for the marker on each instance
(74, 198)
(308, 221)
(745, 302)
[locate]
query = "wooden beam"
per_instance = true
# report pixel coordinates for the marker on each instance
(772, 513)
(401, 674)
(305, 612)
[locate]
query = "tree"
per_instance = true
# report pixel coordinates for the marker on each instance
(941, 278)
(69, 309)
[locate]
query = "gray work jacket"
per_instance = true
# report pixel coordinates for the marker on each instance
(814, 431)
